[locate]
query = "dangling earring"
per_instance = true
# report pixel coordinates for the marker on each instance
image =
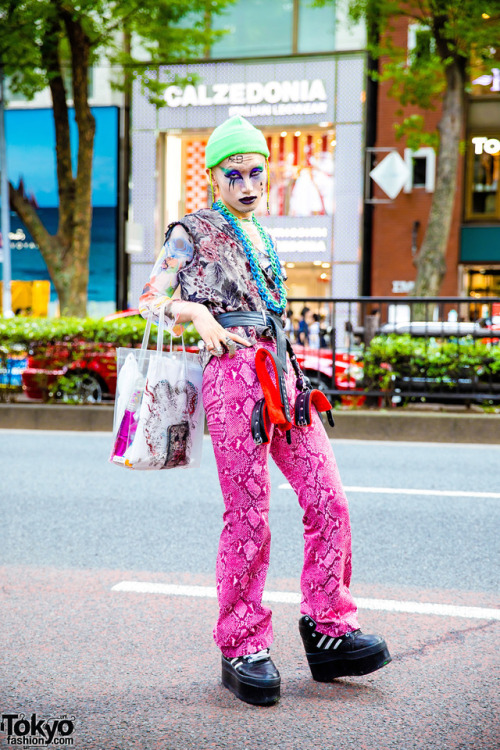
(211, 186)
(268, 186)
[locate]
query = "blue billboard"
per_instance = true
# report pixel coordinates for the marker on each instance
(31, 162)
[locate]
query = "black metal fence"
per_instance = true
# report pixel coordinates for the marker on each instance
(394, 350)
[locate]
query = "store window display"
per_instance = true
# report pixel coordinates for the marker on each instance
(485, 175)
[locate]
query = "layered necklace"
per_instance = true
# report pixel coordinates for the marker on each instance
(255, 268)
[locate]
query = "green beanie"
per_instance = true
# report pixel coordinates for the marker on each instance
(235, 136)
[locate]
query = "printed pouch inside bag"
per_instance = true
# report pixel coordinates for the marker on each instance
(177, 445)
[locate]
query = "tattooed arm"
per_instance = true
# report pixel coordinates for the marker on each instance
(176, 253)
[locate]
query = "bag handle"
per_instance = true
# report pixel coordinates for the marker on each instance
(147, 331)
(161, 328)
(147, 334)
(161, 334)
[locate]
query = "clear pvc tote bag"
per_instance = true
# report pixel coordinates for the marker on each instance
(158, 417)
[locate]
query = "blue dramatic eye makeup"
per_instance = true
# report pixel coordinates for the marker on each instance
(233, 174)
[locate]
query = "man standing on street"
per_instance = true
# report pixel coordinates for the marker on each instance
(232, 289)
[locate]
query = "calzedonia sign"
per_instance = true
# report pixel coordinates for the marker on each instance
(298, 97)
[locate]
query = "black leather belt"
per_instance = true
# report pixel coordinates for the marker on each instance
(253, 319)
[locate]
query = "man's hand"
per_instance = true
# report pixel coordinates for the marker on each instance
(213, 334)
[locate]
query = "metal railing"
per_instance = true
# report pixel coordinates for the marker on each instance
(392, 350)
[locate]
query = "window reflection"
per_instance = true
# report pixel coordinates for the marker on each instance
(255, 27)
(316, 27)
(485, 173)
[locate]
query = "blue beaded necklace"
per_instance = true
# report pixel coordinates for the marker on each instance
(257, 273)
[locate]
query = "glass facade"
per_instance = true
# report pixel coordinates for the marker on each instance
(258, 28)
(316, 27)
(482, 193)
(31, 159)
(484, 178)
(480, 232)
(483, 282)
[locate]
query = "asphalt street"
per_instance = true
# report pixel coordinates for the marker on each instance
(140, 670)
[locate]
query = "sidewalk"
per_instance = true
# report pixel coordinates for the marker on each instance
(419, 426)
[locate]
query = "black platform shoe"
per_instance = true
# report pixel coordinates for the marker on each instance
(351, 654)
(253, 678)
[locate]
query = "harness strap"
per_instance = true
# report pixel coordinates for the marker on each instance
(303, 403)
(275, 407)
(258, 422)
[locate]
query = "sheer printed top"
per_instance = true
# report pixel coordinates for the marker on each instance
(203, 261)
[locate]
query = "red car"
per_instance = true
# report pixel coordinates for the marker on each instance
(95, 369)
(91, 377)
(317, 365)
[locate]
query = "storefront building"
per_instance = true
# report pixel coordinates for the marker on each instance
(31, 149)
(399, 224)
(311, 110)
(480, 232)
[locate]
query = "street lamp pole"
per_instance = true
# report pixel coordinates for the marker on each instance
(5, 220)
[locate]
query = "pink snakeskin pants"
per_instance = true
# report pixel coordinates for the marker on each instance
(230, 390)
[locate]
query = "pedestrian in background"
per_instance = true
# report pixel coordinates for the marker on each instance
(303, 332)
(314, 332)
(289, 329)
(232, 289)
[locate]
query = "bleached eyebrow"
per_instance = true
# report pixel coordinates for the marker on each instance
(227, 172)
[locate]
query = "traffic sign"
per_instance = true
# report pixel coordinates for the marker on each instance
(391, 174)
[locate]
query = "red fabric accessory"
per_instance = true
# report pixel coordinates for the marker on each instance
(274, 407)
(276, 401)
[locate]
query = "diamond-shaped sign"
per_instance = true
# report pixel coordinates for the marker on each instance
(391, 174)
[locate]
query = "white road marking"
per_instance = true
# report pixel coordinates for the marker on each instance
(290, 597)
(413, 443)
(405, 491)
(170, 589)
(337, 441)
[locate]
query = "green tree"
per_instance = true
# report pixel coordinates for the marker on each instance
(455, 35)
(54, 43)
